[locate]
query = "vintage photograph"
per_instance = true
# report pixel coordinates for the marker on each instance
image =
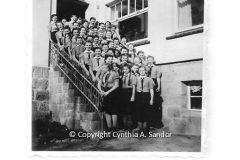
(117, 75)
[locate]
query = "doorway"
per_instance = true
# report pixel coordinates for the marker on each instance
(67, 8)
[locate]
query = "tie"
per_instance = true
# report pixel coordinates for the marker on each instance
(89, 55)
(124, 80)
(142, 79)
(98, 61)
(150, 71)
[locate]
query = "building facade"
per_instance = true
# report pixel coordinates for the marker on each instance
(169, 30)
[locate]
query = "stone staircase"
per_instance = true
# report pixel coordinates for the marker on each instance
(68, 107)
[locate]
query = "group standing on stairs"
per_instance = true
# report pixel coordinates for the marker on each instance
(129, 82)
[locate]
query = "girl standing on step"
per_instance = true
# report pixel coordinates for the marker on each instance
(52, 28)
(128, 96)
(143, 100)
(108, 85)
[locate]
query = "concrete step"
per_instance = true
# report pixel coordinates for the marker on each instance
(56, 74)
(75, 99)
(77, 107)
(90, 126)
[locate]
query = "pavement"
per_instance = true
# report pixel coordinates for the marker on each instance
(171, 143)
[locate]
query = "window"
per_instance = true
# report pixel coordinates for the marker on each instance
(190, 13)
(195, 96)
(132, 16)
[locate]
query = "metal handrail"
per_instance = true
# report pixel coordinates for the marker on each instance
(88, 90)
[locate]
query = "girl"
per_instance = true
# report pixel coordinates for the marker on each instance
(128, 96)
(102, 69)
(95, 63)
(131, 51)
(142, 57)
(108, 87)
(108, 26)
(135, 70)
(52, 28)
(59, 35)
(144, 99)
(67, 41)
(155, 74)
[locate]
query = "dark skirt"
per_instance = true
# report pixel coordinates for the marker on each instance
(111, 102)
(126, 104)
(142, 107)
(156, 109)
(53, 36)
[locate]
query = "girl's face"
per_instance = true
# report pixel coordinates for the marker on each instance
(90, 32)
(95, 30)
(79, 21)
(98, 52)
(116, 42)
(124, 58)
(115, 68)
(124, 41)
(126, 70)
(66, 31)
(107, 25)
(142, 72)
(79, 41)
(131, 47)
(75, 25)
(83, 30)
(102, 27)
(124, 51)
(110, 52)
(75, 33)
(64, 21)
(108, 35)
(93, 20)
(90, 39)
(105, 48)
(95, 40)
(54, 19)
(109, 60)
(134, 69)
(141, 55)
(111, 45)
(150, 60)
(85, 24)
(137, 61)
(60, 26)
(100, 35)
(113, 29)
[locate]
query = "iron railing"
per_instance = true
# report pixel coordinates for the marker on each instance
(88, 90)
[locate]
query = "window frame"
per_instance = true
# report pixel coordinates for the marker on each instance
(176, 20)
(129, 15)
(189, 97)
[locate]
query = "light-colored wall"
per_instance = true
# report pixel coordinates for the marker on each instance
(162, 22)
(41, 17)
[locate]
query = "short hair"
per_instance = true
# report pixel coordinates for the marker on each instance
(73, 15)
(109, 42)
(142, 66)
(116, 64)
(94, 28)
(104, 44)
(53, 15)
(89, 36)
(124, 38)
(124, 55)
(124, 48)
(150, 57)
(108, 22)
(67, 27)
(107, 55)
(88, 42)
(97, 48)
(80, 38)
(111, 49)
(108, 31)
(101, 23)
(127, 65)
(115, 38)
(113, 26)
(140, 52)
(79, 18)
(75, 29)
(92, 18)
(95, 37)
(82, 28)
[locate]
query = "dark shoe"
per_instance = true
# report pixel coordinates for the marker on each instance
(109, 130)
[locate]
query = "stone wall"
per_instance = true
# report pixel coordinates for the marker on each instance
(176, 115)
(40, 93)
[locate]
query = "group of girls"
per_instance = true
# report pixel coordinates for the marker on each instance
(128, 80)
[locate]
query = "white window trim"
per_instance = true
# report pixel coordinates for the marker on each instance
(189, 100)
(129, 15)
(176, 30)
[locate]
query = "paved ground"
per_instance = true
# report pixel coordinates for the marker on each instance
(175, 143)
